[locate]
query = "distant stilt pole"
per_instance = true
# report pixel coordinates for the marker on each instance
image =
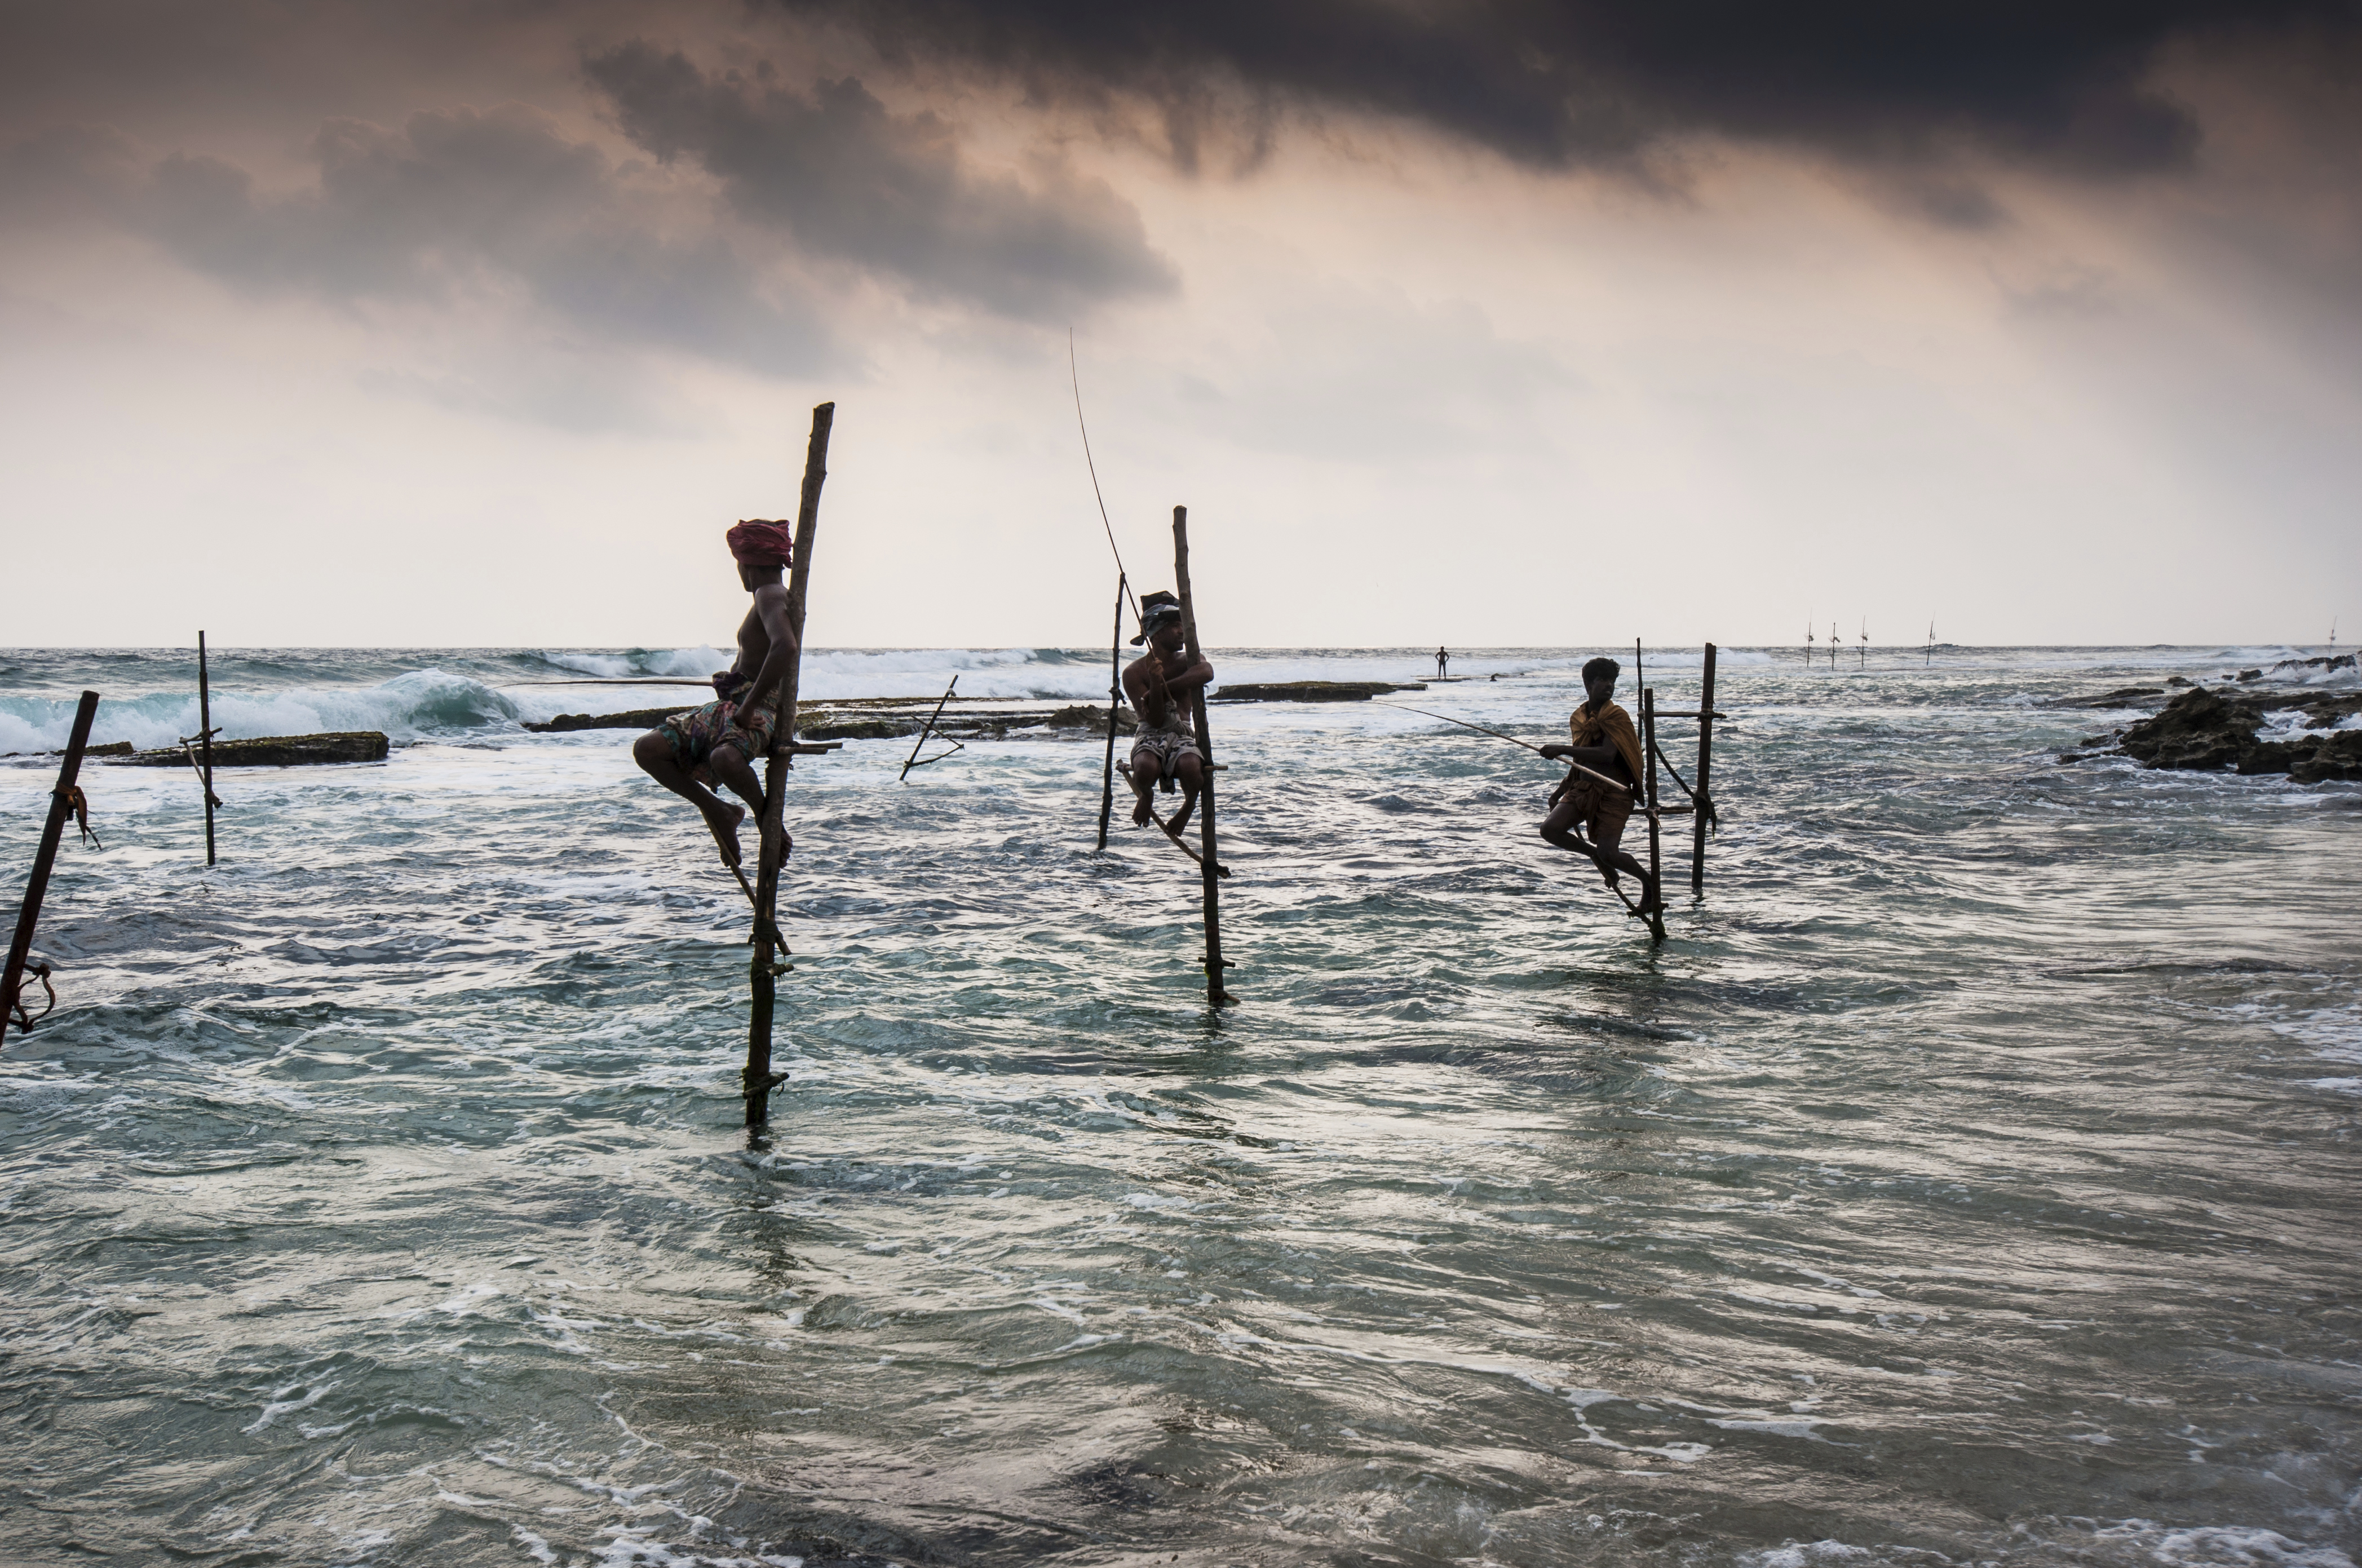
(763, 971)
(206, 740)
(1208, 860)
(1639, 677)
(20, 947)
(1115, 704)
(927, 729)
(1704, 773)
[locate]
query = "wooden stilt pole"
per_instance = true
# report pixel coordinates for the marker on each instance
(1208, 859)
(1115, 706)
(1705, 774)
(20, 947)
(764, 970)
(206, 740)
(1649, 759)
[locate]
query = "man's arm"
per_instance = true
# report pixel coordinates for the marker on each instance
(771, 609)
(1198, 674)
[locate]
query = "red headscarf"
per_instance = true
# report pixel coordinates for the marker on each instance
(755, 542)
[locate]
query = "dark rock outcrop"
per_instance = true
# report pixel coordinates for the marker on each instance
(637, 719)
(2204, 730)
(274, 751)
(1310, 690)
(2122, 697)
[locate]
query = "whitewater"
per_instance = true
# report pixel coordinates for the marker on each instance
(1970, 1179)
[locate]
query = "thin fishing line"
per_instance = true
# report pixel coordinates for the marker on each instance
(1076, 376)
(1465, 725)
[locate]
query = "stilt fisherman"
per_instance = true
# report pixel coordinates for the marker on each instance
(1159, 684)
(1605, 743)
(720, 742)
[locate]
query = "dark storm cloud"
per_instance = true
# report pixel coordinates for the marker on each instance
(1561, 84)
(492, 202)
(850, 179)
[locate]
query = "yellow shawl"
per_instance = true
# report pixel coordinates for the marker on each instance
(1611, 726)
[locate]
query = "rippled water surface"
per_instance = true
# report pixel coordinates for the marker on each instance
(1970, 1179)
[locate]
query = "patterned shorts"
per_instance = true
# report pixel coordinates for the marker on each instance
(696, 733)
(1168, 748)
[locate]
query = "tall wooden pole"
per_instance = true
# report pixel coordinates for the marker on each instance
(1648, 760)
(206, 740)
(1115, 705)
(763, 972)
(1705, 774)
(20, 947)
(1208, 861)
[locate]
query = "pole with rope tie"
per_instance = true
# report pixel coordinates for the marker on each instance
(62, 800)
(1209, 862)
(764, 970)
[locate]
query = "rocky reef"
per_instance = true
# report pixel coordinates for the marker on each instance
(273, 751)
(1310, 690)
(2205, 729)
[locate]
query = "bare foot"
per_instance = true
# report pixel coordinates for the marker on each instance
(1653, 900)
(1140, 813)
(723, 820)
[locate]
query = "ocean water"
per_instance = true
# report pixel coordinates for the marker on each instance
(1970, 1179)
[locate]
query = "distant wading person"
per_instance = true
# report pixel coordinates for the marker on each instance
(1159, 683)
(1605, 742)
(1443, 662)
(720, 741)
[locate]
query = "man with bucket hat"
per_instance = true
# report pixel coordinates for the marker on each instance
(1159, 683)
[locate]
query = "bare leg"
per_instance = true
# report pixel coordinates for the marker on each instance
(732, 769)
(652, 752)
(1190, 772)
(1145, 770)
(1559, 829)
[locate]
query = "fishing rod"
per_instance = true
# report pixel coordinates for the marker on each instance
(1124, 578)
(1513, 740)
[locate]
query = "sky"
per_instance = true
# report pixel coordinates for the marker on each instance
(478, 322)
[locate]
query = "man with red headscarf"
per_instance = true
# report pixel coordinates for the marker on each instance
(720, 741)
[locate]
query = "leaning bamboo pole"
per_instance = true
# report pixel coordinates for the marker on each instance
(766, 967)
(1115, 706)
(36, 886)
(1209, 862)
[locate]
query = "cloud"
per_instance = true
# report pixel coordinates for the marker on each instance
(456, 204)
(1566, 84)
(852, 180)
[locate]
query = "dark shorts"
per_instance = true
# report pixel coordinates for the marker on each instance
(696, 733)
(1601, 810)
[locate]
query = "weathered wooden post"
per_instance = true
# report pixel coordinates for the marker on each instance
(764, 970)
(20, 947)
(1209, 862)
(206, 740)
(1648, 759)
(1702, 799)
(1115, 706)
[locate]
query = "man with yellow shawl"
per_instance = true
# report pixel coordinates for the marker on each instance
(1605, 743)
